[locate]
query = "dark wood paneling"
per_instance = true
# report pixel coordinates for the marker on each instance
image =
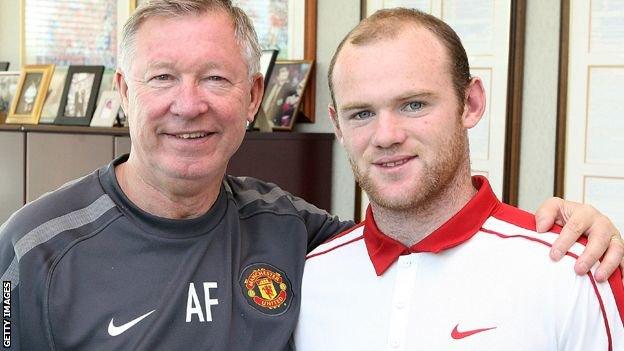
(298, 163)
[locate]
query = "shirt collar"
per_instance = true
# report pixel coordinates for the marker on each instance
(384, 251)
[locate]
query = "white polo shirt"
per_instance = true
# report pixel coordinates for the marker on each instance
(482, 281)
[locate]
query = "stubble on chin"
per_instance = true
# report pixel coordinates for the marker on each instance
(433, 179)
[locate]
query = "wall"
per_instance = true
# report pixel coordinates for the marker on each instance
(335, 20)
(9, 32)
(539, 105)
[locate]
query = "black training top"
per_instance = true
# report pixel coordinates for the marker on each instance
(87, 269)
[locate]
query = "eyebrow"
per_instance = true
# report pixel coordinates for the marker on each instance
(365, 105)
(169, 64)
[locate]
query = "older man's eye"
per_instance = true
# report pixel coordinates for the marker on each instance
(161, 77)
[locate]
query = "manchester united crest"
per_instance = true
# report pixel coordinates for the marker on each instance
(266, 288)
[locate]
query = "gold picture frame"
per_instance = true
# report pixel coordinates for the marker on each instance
(30, 95)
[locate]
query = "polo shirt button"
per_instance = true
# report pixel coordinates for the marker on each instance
(399, 304)
(395, 344)
(406, 263)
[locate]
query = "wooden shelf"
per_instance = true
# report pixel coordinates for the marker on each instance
(123, 131)
(51, 128)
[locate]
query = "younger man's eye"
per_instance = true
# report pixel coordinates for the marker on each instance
(363, 115)
(414, 106)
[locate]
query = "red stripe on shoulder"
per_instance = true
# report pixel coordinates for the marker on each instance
(615, 281)
(519, 217)
(335, 247)
(619, 297)
(341, 234)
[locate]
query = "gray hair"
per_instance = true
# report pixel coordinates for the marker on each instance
(244, 31)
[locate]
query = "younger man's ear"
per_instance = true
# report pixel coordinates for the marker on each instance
(333, 116)
(474, 103)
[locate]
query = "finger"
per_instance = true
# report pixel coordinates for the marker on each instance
(611, 260)
(548, 212)
(577, 224)
(597, 244)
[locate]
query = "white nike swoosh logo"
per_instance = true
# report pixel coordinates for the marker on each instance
(114, 331)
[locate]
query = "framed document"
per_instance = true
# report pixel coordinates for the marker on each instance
(590, 161)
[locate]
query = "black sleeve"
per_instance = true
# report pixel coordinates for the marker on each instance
(320, 224)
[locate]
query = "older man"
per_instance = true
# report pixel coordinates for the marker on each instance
(439, 263)
(161, 250)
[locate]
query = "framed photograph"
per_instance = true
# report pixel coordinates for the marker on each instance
(284, 91)
(8, 87)
(53, 99)
(4, 66)
(108, 107)
(30, 94)
(79, 95)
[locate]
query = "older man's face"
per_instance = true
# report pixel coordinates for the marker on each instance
(188, 97)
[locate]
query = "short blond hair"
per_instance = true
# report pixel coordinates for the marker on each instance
(244, 32)
(389, 23)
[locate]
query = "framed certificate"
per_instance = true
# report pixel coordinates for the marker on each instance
(590, 161)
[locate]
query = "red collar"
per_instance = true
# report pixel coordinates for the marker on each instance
(384, 251)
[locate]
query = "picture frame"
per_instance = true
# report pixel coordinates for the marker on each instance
(53, 97)
(79, 95)
(4, 66)
(284, 92)
(107, 109)
(8, 86)
(30, 94)
(267, 61)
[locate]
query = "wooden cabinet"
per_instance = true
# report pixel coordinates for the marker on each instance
(38, 159)
(54, 159)
(11, 173)
(299, 163)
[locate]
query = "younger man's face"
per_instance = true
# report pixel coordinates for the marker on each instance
(397, 116)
